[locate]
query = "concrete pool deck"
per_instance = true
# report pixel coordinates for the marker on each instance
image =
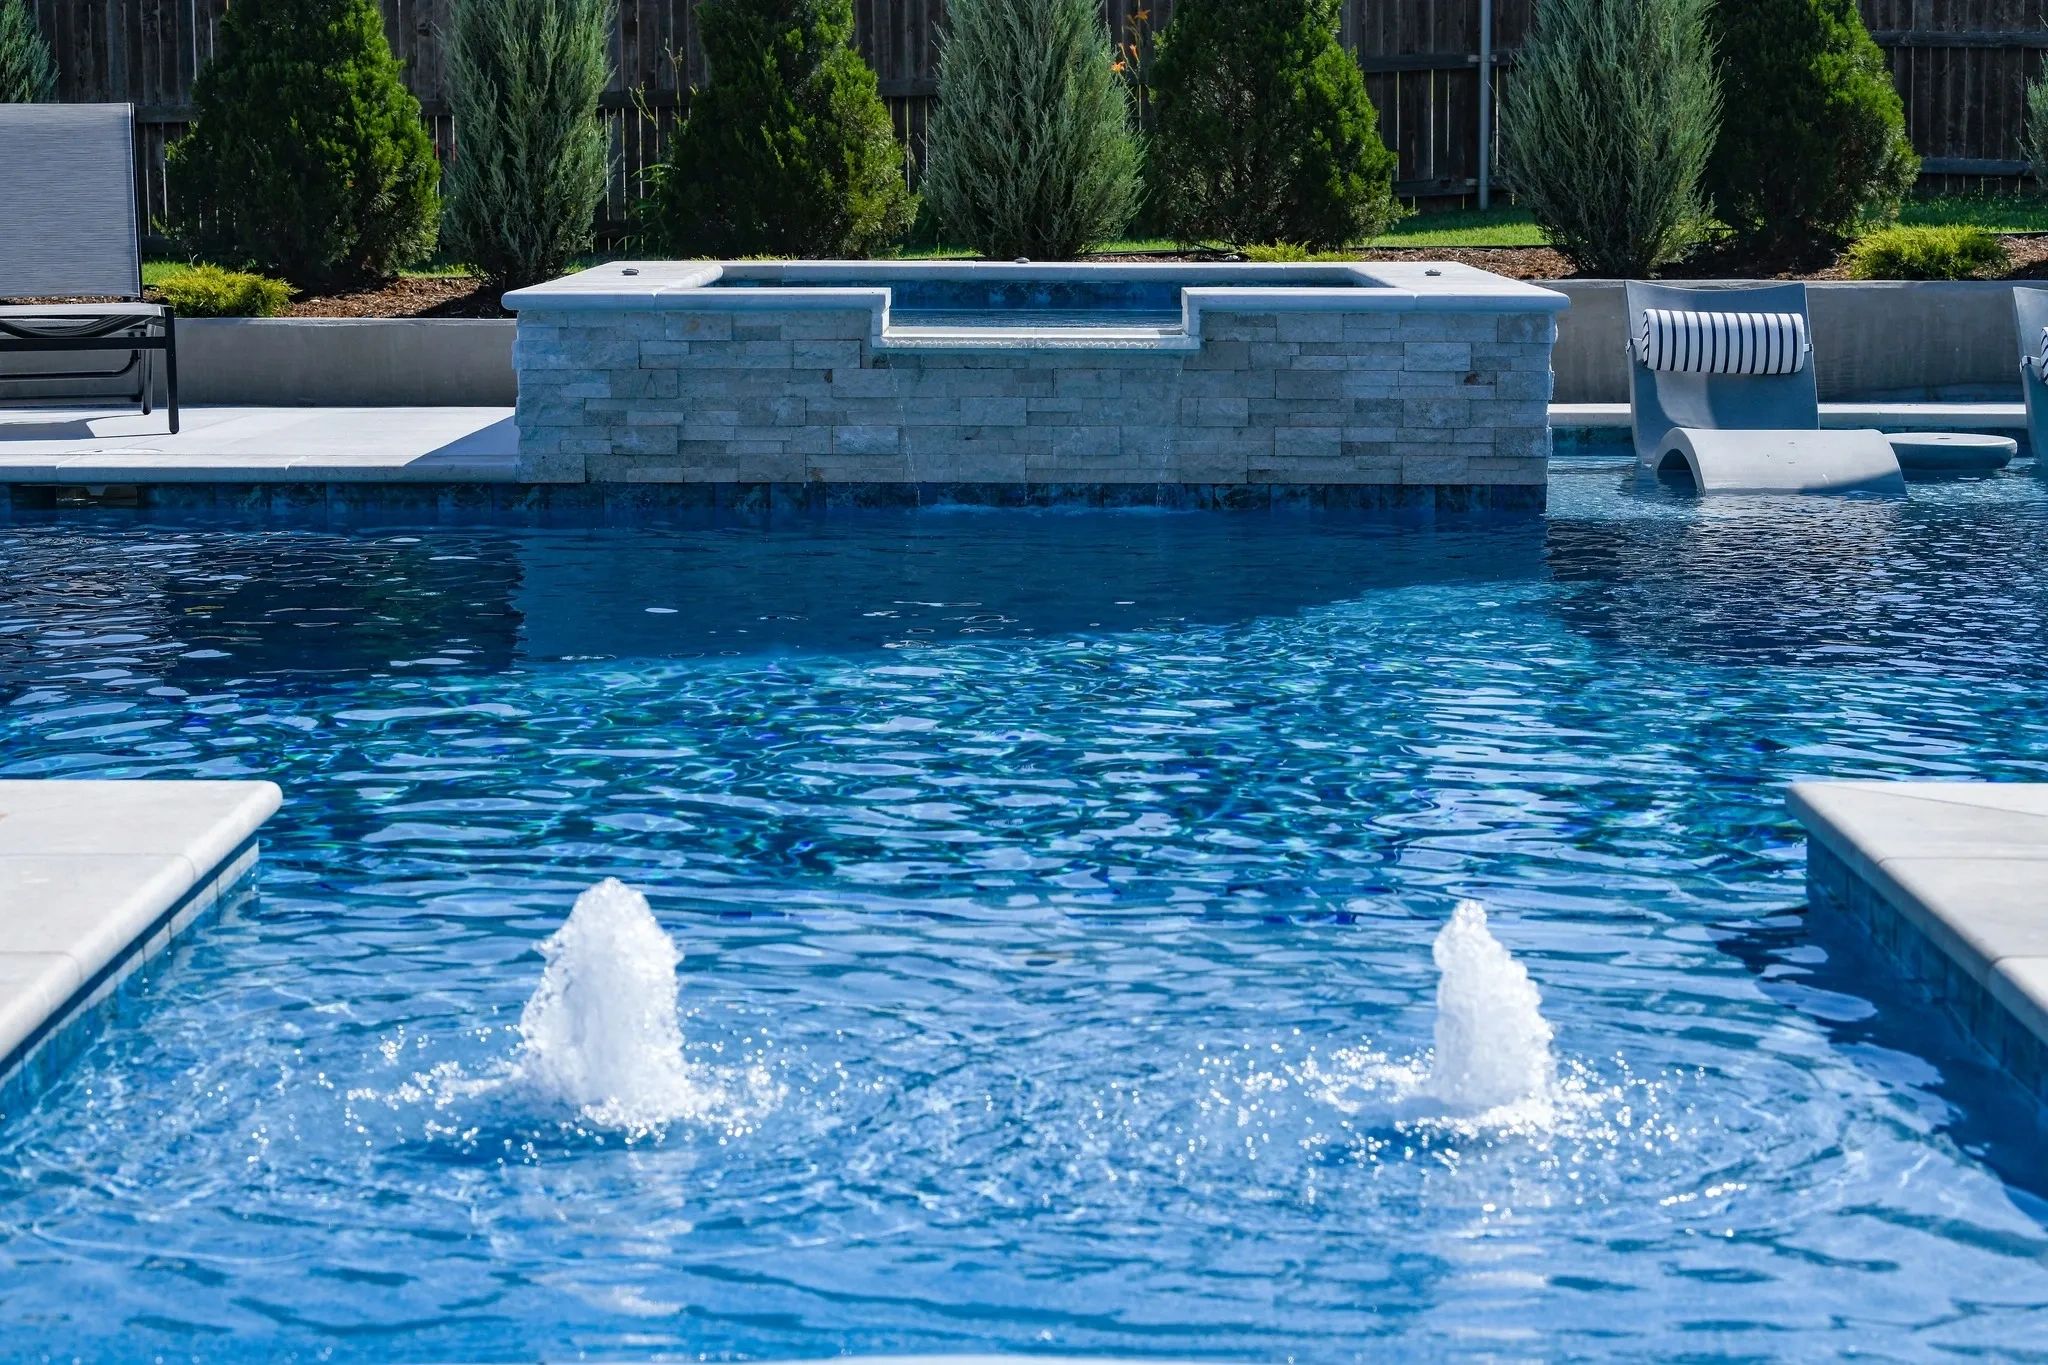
(1951, 879)
(332, 445)
(261, 445)
(95, 879)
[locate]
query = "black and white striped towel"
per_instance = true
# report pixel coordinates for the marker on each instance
(2040, 362)
(1722, 343)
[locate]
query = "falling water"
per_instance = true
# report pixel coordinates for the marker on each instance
(602, 1032)
(1492, 1041)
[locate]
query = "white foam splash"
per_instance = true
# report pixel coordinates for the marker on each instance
(1491, 1069)
(602, 1032)
(1492, 1041)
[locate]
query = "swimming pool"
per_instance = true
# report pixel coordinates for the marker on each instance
(1048, 886)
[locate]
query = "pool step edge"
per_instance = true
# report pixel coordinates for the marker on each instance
(1950, 881)
(97, 880)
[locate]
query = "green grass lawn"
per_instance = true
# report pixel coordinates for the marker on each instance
(1453, 227)
(2001, 213)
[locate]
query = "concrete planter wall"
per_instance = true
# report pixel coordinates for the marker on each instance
(1902, 341)
(328, 362)
(1874, 341)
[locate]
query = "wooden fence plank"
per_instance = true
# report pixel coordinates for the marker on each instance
(1961, 66)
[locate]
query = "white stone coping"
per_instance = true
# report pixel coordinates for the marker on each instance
(1966, 863)
(88, 870)
(1372, 287)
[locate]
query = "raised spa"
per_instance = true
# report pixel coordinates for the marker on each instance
(1426, 383)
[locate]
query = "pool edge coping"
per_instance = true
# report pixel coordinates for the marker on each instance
(134, 903)
(1930, 870)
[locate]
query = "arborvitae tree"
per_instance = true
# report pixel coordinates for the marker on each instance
(1265, 131)
(531, 157)
(1607, 127)
(309, 159)
(1813, 142)
(28, 74)
(1032, 147)
(789, 151)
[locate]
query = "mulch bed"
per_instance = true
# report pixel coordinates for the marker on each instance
(410, 296)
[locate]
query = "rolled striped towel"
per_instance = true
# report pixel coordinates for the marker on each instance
(1722, 343)
(2040, 362)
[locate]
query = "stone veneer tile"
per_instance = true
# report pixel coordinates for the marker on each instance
(691, 396)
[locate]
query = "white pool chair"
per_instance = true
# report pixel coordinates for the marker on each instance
(1721, 390)
(68, 230)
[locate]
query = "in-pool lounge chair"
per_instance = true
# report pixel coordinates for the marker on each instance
(68, 230)
(2030, 312)
(1721, 388)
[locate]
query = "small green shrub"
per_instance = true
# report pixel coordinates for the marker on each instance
(28, 74)
(2034, 133)
(529, 171)
(1032, 148)
(207, 291)
(1264, 129)
(1926, 253)
(789, 151)
(1607, 127)
(309, 159)
(1289, 253)
(1813, 145)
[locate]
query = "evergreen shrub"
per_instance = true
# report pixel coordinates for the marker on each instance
(28, 73)
(207, 291)
(789, 151)
(1265, 132)
(1607, 126)
(532, 157)
(1812, 149)
(1033, 151)
(1927, 253)
(308, 159)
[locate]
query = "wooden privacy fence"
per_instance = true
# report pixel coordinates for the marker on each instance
(1962, 66)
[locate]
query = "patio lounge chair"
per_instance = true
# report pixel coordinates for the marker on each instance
(68, 230)
(1721, 387)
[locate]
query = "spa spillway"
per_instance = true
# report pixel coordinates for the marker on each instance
(1397, 384)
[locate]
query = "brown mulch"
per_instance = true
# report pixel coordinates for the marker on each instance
(410, 296)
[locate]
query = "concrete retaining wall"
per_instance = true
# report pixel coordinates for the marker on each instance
(324, 362)
(1873, 341)
(1908, 342)
(348, 362)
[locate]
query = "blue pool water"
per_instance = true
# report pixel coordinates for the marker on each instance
(1003, 302)
(1048, 886)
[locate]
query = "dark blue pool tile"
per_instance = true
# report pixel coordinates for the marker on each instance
(688, 506)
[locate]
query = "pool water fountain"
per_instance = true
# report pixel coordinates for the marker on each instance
(602, 1032)
(1492, 1041)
